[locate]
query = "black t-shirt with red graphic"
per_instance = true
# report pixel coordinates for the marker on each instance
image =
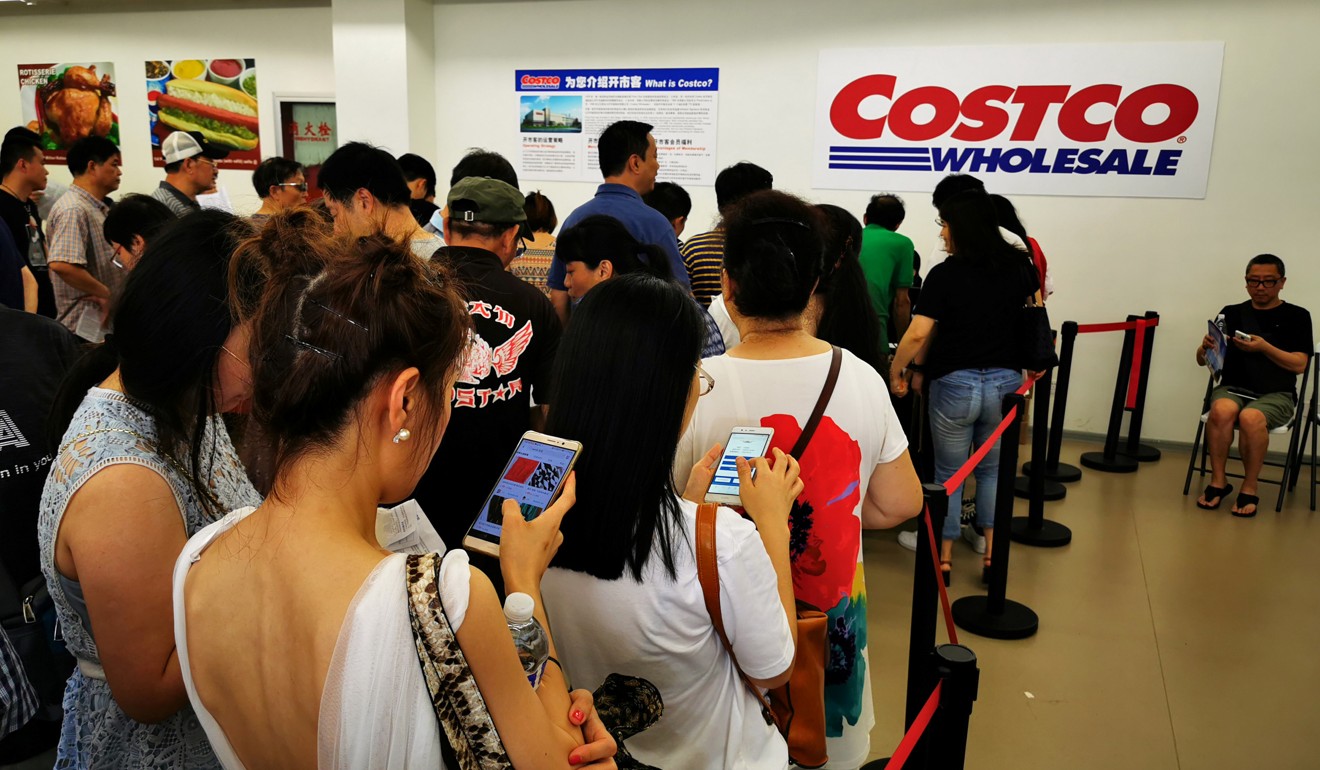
(515, 338)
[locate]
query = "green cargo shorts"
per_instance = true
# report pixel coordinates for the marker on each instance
(1278, 408)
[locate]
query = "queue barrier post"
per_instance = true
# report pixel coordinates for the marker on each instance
(995, 615)
(1035, 529)
(1055, 470)
(1025, 485)
(946, 743)
(925, 597)
(1110, 460)
(1133, 447)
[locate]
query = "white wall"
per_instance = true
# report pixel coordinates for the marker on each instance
(291, 46)
(1110, 257)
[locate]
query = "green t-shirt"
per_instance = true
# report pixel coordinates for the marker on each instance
(887, 264)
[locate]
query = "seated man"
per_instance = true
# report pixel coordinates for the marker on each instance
(1256, 391)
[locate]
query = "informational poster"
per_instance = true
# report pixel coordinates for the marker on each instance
(561, 114)
(214, 97)
(1120, 119)
(68, 101)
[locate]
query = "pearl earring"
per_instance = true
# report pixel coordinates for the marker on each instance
(403, 435)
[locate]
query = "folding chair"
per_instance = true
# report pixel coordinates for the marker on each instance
(1311, 427)
(1291, 464)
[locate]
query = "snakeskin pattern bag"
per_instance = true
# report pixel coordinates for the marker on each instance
(468, 739)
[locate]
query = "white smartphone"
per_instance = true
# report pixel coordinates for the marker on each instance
(533, 477)
(742, 442)
(1242, 336)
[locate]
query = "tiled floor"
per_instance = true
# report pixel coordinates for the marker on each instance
(1170, 637)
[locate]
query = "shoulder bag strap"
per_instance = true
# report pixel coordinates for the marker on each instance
(808, 430)
(708, 576)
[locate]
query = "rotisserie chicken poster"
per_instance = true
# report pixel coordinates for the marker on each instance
(214, 97)
(66, 102)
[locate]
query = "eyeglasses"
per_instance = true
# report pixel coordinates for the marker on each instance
(522, 248)
(299, 186)
(940, 222)
(206, 160)
(1268, 283)
(707, 382)
(114, 256)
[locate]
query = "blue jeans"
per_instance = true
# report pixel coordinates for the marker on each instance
(966, 406)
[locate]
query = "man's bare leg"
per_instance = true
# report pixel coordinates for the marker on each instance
(1218, 438)
(1254, 442)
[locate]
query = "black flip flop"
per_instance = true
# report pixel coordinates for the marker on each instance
(1242, 500)
(1219, 492)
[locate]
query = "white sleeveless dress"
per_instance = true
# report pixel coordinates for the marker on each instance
(375, 708)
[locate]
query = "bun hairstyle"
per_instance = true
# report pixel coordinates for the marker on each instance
(335, 317)
(773, 253)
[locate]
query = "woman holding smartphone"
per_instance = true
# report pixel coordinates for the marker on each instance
(300, 639)
(855, 468)
(623, 591)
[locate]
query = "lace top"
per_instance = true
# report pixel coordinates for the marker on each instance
(108, 428)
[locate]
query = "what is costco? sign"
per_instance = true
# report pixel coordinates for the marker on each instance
(1122, 120)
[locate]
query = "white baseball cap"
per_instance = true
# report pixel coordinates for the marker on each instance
(182, 145)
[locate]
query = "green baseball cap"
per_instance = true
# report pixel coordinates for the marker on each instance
(482, 199)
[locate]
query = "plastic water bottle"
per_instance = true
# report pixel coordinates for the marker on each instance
(528, 636)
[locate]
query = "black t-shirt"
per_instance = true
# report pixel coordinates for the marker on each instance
(35, 353)
(1286, 327)
(16, 216)
(976, 305)
(11, 273)
(516, 335)
(422, 210)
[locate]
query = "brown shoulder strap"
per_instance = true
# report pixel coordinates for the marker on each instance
(808, 430)
(709, 577)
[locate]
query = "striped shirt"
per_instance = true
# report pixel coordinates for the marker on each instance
(74, 235)
(175, 200)
(534, 265)
(703, 256)
(18, 701)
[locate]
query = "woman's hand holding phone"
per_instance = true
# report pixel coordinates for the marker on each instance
(702, 474)
(768, 495)
(526, 547)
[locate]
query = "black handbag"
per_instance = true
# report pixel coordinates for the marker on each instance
(1036, 338)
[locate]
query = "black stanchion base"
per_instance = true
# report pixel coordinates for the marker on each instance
(1145, 453)
(1119, 463)
(1051, 534)
(1053, 489)
(877, 764)
(972, 614)
(1065, 473)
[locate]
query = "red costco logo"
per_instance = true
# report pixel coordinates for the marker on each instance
(540, 81)
(983, 114)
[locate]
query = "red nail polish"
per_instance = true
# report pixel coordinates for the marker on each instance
(578, 716)
(573, 759)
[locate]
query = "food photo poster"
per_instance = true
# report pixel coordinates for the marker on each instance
(67, 101)
(214, 97)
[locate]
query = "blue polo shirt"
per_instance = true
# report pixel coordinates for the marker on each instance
(645, 223)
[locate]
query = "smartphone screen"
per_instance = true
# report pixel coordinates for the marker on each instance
(531, 478)
(741, 444)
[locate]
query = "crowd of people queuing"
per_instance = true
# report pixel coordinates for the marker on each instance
(221, 404)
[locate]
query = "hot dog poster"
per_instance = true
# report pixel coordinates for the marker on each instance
(67, 101)
(214, 97)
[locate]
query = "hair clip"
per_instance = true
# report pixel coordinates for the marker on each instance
(314, 348)
(339, 315)
(778, 221)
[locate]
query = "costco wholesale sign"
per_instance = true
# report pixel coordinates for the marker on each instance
(1123, 120)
